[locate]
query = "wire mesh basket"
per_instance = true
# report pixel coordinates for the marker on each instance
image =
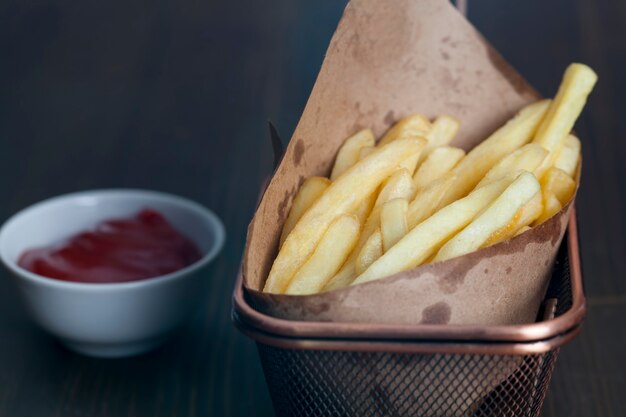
(341, 369)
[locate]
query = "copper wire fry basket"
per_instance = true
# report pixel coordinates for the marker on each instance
(347, 369)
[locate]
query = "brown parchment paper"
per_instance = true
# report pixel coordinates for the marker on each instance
(388, 59)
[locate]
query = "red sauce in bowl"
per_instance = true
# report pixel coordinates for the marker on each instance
(116, 250)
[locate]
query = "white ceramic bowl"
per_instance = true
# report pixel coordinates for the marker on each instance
(111, 319)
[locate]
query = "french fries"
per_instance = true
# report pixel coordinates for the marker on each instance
(341, 197)
(569, 155)
(521, 221)
(551, 206)
(428, 200)
(577, 83)
(309, 192)
(496, 217)
(413, 126)
(346, 274)
(349, 154)
(330, 253)
(365, 151)
(515, 133)
(413, 199)
(443, 130)
(393, 223)
(558, 183)
(428, 236)
(399, 185)
(527, 158)
(364, 208)
(438, 163)
(371, 250)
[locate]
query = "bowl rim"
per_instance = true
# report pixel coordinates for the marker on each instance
(215, 224)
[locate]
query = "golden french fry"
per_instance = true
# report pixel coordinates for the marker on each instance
(443, 130)
(515, 133)
(530, 212)
(345, 276)
(349, 153)
(309, 192)
(365, 151)
(577, 83)
(428, 200)
(415, 125)
(364, 208)
(411, 163)
(428, 236)
(393, 223)
(568, 156)
(371, 250)
(399, 185)
(438, 163)
(522, 230)
(522, 219)
(493, 220)
(558, 183)
(551, 206)
(526, 158)
(331, 252)
(341, 197)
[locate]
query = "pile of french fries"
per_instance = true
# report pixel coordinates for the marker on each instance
(412, 198)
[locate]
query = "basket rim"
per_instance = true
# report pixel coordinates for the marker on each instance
(535, 336)
(407, 346)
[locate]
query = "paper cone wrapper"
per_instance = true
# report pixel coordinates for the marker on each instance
(385, 61)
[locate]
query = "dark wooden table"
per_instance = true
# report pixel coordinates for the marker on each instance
(174, 96)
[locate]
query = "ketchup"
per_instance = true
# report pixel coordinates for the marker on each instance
(116, 250)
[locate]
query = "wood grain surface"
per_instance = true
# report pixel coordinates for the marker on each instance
(175, 96)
